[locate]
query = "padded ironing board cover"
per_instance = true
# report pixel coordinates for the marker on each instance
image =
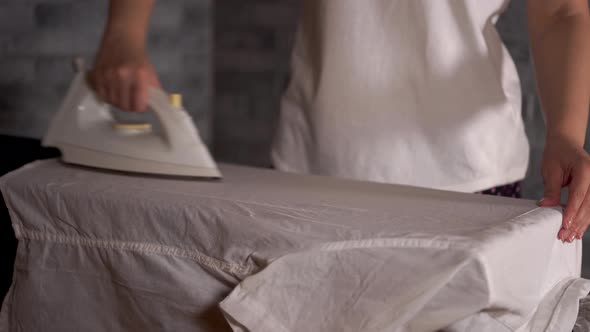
(103, 251)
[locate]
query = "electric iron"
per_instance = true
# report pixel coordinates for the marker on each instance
(86, 132)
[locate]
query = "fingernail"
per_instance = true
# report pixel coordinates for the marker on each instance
(571, 237)
(561, 235)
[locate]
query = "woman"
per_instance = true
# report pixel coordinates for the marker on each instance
(412, 92)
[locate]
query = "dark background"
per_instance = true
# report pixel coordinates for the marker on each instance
(229, 58)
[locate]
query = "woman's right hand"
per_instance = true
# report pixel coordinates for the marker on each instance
(122, 75)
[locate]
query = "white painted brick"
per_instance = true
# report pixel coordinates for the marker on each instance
(189, 41)
(17, 69)
(167, 15)
(68, 42)
(16, 17)
(56, 69)
(80, 16)
(245, 61)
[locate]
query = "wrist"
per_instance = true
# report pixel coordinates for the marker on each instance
(555, 135)
(116, 36)
(128, 22)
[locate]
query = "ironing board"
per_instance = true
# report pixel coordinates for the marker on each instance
(269, 251)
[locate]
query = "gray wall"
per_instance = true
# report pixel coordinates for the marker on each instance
(39, 38)
(253, 38)
(512, 26)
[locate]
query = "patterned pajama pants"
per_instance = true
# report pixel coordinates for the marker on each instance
(509, 190)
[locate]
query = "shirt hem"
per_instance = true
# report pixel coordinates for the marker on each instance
(513, 175)
(488, 182)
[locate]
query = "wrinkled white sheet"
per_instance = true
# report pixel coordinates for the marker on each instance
(102, 251)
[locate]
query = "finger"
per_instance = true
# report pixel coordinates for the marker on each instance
(111, 86)
(562, 234)
(581, 232)
(552, 181)
(140, 94)
(582, 219)
(578, 189)
(581, 229)
(124, 86)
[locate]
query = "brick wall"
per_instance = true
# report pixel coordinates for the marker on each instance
(39, 38)
(512, 26)
(253, 41)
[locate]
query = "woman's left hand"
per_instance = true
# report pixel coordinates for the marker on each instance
(566, 163)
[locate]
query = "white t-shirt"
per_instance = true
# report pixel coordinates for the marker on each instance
(412, 92)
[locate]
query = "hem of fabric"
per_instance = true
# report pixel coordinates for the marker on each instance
(212, 263)
(490, 181)
(568, 302)
(487, 182)
(241, 311)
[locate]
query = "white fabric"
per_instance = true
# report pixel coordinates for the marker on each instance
(103, 251)
(410, 92)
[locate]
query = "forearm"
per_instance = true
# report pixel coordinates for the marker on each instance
(561, 56)
(128, 21)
